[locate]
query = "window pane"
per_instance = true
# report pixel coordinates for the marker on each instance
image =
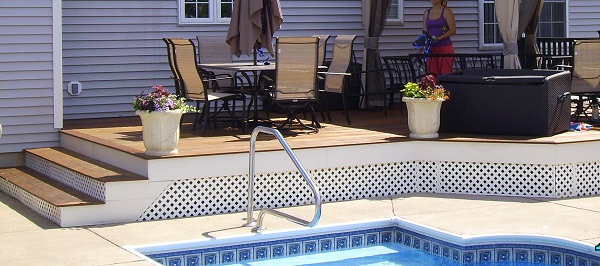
(488, 33)
(552, 20)
(203, 10)
(393, 11)
(558, 30)
(489, 15)
(226, 8)
(190, 10)
(544, 30)
(196, 8)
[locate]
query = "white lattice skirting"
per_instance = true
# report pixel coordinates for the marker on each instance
(226, 194)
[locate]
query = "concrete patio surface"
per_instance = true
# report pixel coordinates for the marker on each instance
(28, 239)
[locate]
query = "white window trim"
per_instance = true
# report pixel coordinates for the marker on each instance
(214, 16)
(400, 19)
(482, 45)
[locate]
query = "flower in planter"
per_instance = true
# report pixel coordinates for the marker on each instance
(160, 100)
(426, 88)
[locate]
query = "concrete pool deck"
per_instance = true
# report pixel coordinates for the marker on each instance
(28, 239)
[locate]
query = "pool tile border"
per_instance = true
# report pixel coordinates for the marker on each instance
(507, 251)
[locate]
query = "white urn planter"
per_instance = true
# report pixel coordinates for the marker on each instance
(160, 131)
(423, 117)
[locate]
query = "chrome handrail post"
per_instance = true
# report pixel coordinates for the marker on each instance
(307, 178)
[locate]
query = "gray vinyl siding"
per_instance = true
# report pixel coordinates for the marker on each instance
(26, 76)
(584, 19)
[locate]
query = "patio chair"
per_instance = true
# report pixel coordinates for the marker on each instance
(585, 83)
(400, 72)
(295, 85)
(339, 76)
(193, 87)
(214, 50)
(176, 78)
(323, 38)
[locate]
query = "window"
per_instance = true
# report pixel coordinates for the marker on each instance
(205, 11)
(396, 11)
(553, 21)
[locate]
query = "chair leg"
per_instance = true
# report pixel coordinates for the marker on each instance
(345, 109)
(206, 116)
(385, 105)
(315, 123)
(245, 117)
(215, 114)
(199, 115)
(326, 107)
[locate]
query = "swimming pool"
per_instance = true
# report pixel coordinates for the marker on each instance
(377, 234)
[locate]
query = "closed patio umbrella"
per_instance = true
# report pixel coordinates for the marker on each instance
(252, 26)
(507, 13)
(374, 18)
(529, 16)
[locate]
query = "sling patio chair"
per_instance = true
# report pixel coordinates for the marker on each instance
(323, 38)
(340, 75)
(585, 82)
(193, 86)
(214, 50)
(295, 85)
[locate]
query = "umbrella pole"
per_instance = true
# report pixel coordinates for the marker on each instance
(254, 57)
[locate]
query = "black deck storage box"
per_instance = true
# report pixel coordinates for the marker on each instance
(506, 102)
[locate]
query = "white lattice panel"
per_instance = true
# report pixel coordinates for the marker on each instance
(588, 179)
(68, 177)
(565, 181)
(427, 176)
(41, 207)
(204, 196)
(497, 179)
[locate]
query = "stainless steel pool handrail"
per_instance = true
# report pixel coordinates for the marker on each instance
(315, 190)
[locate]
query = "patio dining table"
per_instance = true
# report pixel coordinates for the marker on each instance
(245, 67)
(255, 69)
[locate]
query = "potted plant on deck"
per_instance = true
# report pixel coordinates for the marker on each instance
(424, 102)
(161, 113)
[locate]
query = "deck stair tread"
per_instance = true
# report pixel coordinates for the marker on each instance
(84, 165)
(46, 188)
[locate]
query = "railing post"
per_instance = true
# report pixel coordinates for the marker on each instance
(251, 165)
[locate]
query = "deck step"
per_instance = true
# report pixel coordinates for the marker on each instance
(46, 188)
(84, 165)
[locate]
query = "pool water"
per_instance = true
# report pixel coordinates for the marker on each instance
(391, 254)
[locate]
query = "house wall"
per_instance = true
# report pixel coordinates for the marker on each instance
(584, 19)
(26, 78)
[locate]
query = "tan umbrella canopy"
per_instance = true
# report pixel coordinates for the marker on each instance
(507, 14)
(252, 26)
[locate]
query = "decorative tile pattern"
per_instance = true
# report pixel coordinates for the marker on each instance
(501, 252)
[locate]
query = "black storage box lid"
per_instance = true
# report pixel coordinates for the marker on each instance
(498, 76)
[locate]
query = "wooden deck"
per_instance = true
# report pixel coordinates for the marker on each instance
(368, 127)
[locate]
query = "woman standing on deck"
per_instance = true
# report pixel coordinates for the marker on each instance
(439, 22)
